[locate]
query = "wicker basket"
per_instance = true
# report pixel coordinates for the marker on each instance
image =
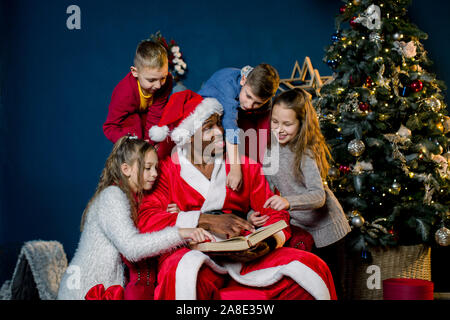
(413, 262)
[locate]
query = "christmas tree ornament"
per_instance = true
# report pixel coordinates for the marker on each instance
(336, 37)
(363, 106)
(369, 82)
(332, 63)
(434, 103)
(361, 166)
(371, 18)
(381, 80)
(356, 147)
(442, 236)
(440, 127)
(356, 2)
(353, 23)
(353, 213)
(416, 85)
(357, 221)
(344, 169)
(395, 188)
(375, 37)
(342, 9)
(408, 50)
(397, 36)
(438, 150)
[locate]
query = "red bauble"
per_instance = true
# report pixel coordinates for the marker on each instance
(416, 85)
(364, 106)
(342, 9)
(369, 82)
(344, 169)
(353, 24)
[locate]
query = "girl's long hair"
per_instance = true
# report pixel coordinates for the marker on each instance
(309, 138)
(126, 150)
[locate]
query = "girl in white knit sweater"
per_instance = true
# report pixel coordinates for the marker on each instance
(108, 228)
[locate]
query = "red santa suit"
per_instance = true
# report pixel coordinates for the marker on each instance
(284, 273)
(190, 274)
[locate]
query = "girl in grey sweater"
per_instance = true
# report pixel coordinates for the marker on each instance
(296, 164)
(108, 228)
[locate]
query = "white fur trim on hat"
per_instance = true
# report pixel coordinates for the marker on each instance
(186, 129)
(157, 133)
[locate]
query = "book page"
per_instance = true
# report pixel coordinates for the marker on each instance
(266, 232)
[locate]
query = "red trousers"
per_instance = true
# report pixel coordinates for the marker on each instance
(214, 286)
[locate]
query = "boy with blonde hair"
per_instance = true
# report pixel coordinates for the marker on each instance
(138, 101)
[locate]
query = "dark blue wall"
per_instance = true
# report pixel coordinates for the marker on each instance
(56, 84)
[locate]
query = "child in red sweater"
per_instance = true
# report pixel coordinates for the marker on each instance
(139, 99)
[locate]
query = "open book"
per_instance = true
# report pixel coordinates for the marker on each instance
(241, 243)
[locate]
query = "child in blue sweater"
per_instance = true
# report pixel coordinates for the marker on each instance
(247, 89)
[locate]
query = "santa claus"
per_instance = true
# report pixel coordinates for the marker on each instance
(194, 177)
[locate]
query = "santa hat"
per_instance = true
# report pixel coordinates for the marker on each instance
(184, 113)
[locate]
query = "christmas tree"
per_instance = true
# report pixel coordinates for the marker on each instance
(384, 117)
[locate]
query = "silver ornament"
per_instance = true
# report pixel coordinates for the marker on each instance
(356, 147)
(397, 36)
(434, 104)
(358, 221)
(442, 236)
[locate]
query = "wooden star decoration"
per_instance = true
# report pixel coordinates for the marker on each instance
(305, 77)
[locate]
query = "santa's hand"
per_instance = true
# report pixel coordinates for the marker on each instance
(173, 208)
(226, 225)
(196, 235)
(277, 203)
(257, 220)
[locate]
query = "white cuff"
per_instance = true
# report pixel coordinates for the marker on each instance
(188, 219)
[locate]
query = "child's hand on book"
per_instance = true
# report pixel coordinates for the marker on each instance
(196, 235)
(257, 219)
(277, 203)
